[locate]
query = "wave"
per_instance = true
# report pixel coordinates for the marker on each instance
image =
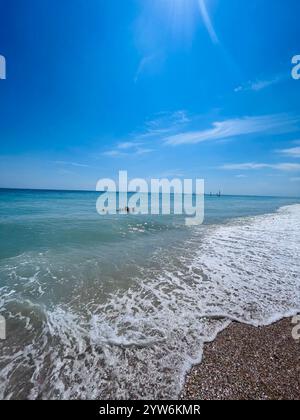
(141, 341)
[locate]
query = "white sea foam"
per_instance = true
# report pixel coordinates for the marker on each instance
(140, 342)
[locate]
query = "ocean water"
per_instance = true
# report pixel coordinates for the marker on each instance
(119, 307)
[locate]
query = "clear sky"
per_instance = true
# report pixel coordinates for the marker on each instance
(161, 88)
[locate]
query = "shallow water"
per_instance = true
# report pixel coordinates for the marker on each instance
(120, 306)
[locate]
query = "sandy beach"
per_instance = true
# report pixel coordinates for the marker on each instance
(248, 363)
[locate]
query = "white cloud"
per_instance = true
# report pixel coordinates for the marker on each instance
(165, 123)
(128, 149)
(76, 164)
(113, 153)
(259, 85)
(143, 151)
(128, 145)
(268, 124)
(255, 166)
(292, 152)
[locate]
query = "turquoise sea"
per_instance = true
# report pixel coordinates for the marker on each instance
(120, 306)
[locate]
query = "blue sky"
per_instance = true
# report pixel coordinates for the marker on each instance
(161, 88)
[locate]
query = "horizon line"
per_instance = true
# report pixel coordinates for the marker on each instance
(133, 192)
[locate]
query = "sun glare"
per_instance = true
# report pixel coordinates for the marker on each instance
(207, 21)
(184, 15)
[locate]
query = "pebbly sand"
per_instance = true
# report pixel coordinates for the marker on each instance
(248, 363)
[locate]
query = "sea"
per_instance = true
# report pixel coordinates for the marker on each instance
(120, 306)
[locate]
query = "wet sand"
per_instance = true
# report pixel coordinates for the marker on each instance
(248, 363)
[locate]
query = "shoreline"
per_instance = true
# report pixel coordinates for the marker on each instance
(248, 363)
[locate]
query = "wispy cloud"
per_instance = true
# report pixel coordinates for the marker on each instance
(143, 151)
(268, 124)
(66, 163)
(145, 61)
(165, 123)
(293, 152)
(259, 85)
(128, 149)
(128, 145)
(144, 140)
(113, 153)
(207, 21)
(256, 166)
